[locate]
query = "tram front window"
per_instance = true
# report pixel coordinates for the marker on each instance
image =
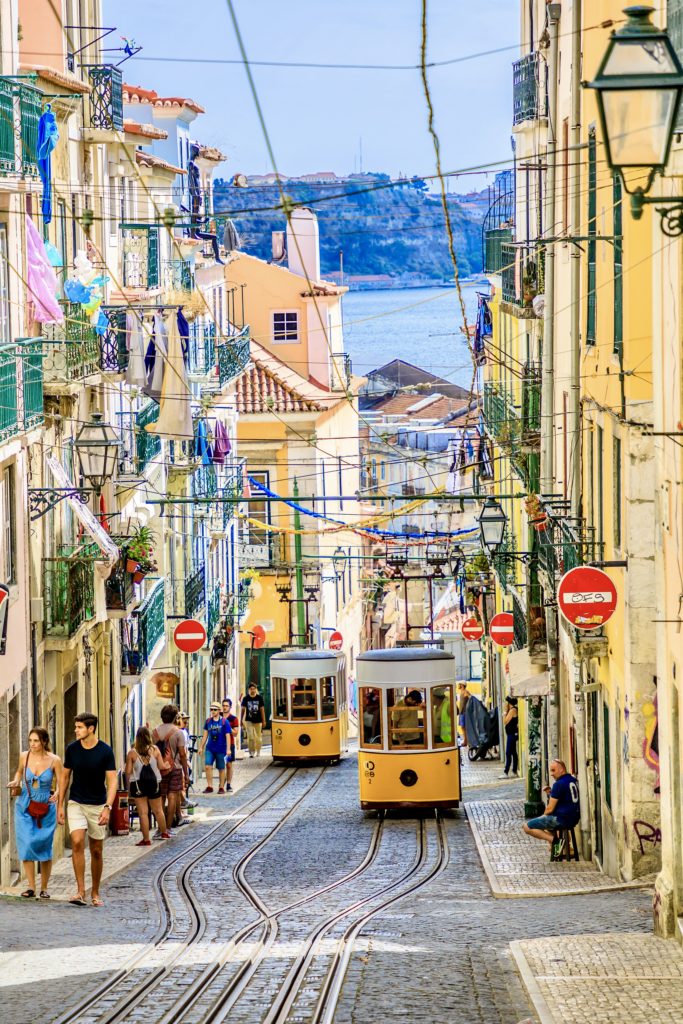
(372, 716)
(279, 690)
(327, 701)
(304, 699)
(407, 717)
(442, 715)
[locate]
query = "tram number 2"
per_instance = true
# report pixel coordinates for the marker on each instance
(369, 769)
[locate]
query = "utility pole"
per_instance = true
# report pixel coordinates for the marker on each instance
(298, 572)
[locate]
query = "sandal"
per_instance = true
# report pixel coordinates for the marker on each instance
(97, 902)
(44, 895)
(29, 894)
(78, 901)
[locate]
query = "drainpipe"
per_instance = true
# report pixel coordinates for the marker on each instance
(575, 268)
(547, 395)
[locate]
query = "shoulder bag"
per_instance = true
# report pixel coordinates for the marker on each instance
(38, 809)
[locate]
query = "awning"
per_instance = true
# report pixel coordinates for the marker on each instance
(83, 514)
(526, 679)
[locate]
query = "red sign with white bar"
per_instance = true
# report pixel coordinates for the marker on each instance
(336, 641)
(189, 636)
(501, 629)
(587, 597)
(472, 629)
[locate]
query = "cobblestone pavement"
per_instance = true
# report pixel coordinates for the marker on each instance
(483, 773)
(438, 956)
(603, 979)
(517, 865)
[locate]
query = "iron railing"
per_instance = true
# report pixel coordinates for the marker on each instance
(213, 612)
(202, 348)
(195, 591)
(147, 446)
(30, 110)
(69, 589)
(72, 349)
(31, 411)
(119, 590)
(495, 241)
(140, 255)
(151, 620)
(531, 404)
(529, 88)
(20, 110)
(233, 356)
(177, 275)
(522, 273)
(516, 426)
(106, 97)
(340, 371)
(9, 413)
(519, 623)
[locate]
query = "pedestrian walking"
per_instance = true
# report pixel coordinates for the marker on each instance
(143, 771)
(511, 724)
(176, 770)
(234, 723)
(35, 810)
(563, 808)
(90, 767)
(463, 698)
(254, 718)
(214, 747)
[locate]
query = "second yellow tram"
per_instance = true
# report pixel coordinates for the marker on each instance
(408, 744)
(309, 706)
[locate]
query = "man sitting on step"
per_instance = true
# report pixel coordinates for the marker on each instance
(562, 809)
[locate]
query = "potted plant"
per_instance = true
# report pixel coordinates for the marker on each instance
(140, 553)
(535, 512)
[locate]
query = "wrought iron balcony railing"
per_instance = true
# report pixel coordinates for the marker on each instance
(522, 273)
(119, 591)
(21, 387)
(20, 110)
(202, 349)
(140, 256)
(106, 97)
(340, 371)
(69, 589)
(529, 89)
(147, 446)
(516, 427)
(565, 542)
(72, 349)
(195, 591)
(519, 623)
(213, 613)
(177, 275)
(151, 617)
(497, 245)
(233, 356)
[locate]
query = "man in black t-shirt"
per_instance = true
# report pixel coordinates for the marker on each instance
(90, 766)
(254, 717)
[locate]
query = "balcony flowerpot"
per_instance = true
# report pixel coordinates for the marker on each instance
(540, 525)
(131, 565)
(138, 576)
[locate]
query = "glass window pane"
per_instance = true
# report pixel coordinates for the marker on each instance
(371, 704)
(304, 703)
(406, 717)
(279, 690)
(328, 704)
(442, 716)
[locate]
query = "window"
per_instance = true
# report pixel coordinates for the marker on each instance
(328, 704)
(371, 704)
(279, 692)
(406, 717)
(285, 328)
(617, 249)
(9, 527)
(442, 715)
(592, 233)
(5, 306)
(616, 491)
(304, 698)
(259, 510)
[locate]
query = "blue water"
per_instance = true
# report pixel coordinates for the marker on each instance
(420, 325)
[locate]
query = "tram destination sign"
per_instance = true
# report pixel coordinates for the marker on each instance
(501, 629)
(189, 636)
(587, 597)
(472, 629)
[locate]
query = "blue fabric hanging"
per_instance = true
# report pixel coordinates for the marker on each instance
(184, 332)
(48, 136)
(202, 447)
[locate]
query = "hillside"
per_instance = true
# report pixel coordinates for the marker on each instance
(397, 231)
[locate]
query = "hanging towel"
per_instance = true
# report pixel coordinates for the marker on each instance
(41, 280)
(175, 400)
(48, 136)
(159, 347)
(184, 332)
(202, 449)
(136, 374)
(231, 238)
(221, 445)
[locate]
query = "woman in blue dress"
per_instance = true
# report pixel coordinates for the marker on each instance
(38, 770)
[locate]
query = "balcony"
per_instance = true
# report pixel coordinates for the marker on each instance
(516, 427)
(147, 446)
(202, 349)
(204, 483)
(495, 240)
(21, 387)
(529, 89)
(119, 592)
(340, 371)
(20, 110)
(523, 276)
(106, 98)
(519, 624)
(261, 551)
(195, 592)
(214, 610)
(72, 350)
(69, 589)
(411, 490)
(177, 275)
(151, 616)
(565, 543)
(233, 356)
(140, 256)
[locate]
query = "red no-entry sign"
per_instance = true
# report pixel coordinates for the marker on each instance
(336, 641)
(472, 629)
(501, 629)
(189, 636)
(587, 597)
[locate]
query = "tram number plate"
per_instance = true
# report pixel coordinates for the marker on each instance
(369, 770)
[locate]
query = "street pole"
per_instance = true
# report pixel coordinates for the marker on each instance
(575, 268)
(298, 573)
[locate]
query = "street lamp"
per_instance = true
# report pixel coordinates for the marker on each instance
(638, 89)
(97, 446)
(456, 560)
(492, 522)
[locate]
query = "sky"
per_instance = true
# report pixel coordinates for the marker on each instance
(316, 118)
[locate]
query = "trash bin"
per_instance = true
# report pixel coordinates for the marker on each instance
(119, 820)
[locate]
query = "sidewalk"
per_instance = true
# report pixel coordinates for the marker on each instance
(517, 865)
(482, 773)
(602, 979)
(120, 851)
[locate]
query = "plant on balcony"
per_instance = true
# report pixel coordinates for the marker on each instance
(534, 510)
(529, 282)
(140, 554)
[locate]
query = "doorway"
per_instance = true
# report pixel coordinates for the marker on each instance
(257, 670)
(597, 786)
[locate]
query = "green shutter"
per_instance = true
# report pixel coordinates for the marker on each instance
(674, 24)
(607, 777)
(592, 244)
(616, 491)
(618, 268)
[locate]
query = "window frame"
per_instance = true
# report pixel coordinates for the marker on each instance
(283, 335)
(362, 742)
(332, 681)
(315, 716)
(423, 707)
(279, 683)
(452, 742)
(9, 526)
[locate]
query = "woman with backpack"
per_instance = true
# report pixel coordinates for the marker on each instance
(143, 770)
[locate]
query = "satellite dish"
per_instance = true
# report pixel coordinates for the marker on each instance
(240, 181)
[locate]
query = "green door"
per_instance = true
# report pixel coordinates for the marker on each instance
(257, 670)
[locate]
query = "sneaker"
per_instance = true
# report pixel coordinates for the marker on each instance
(251, 755)
(181, 821)
(144, 842)
(166, 835)
(221, 790)
(558, 847)
(209, 789)
(504, 776)
(163, 835)
(228, 788)
(189, 804)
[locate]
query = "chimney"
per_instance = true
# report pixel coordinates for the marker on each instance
(303, 246)
(279, 246)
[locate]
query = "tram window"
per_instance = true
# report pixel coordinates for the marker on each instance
(407, 718)
(442, 715)
(304, 703)
(279, 688)
(327, 701)
(371, 704)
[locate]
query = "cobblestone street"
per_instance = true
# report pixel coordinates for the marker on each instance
(459, 953)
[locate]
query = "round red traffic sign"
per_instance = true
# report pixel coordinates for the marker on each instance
(189, 636)
(587, 597)
(472, 629)
(501, 629)
(258, 636)
(336, 641)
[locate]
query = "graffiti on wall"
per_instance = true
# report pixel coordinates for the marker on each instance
(647, 834)
(625, 750)
(651, 741)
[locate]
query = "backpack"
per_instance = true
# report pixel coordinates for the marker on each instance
(148, 784)
(166, 755)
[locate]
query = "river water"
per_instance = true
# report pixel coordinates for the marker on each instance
(420, 325)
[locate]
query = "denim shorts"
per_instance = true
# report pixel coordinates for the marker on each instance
(216, 759)
(548, 822)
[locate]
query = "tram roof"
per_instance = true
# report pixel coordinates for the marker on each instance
(304, 655)
(403, 654)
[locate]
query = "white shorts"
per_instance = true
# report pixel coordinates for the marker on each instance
(86, 817)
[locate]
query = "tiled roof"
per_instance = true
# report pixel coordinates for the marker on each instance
(148, 131)
(272, 386)
(136, 94)
(64, 79)
(147, 160)
(211, 153)
(406, 375)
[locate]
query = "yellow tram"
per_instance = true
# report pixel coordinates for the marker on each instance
(310, 711)
(408, 746)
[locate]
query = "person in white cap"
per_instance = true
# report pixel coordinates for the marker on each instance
(215, 743)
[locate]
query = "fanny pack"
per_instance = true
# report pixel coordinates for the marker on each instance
(38, 809)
